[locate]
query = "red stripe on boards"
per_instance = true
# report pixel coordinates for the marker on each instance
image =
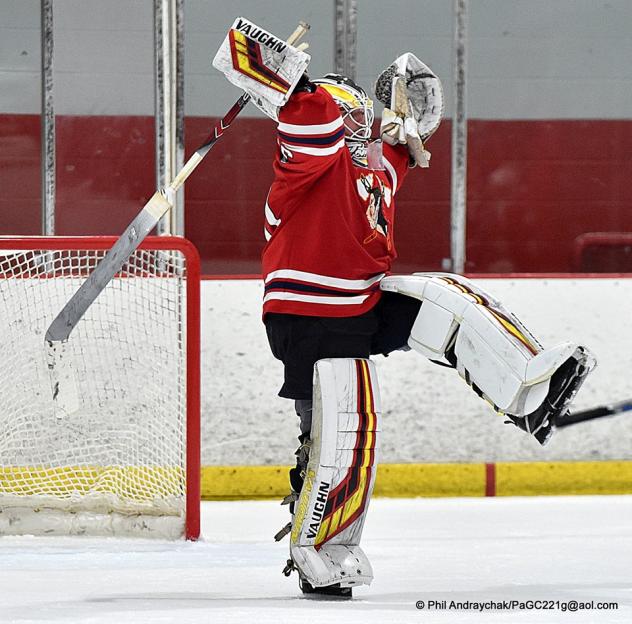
(490, 479)
(525, 211)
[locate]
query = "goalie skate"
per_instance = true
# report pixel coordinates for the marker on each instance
(336, 590)
(565, 383)
(330, 590)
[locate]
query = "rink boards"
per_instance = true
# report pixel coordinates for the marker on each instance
(430, 416)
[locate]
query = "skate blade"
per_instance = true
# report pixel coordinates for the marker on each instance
(330, 592)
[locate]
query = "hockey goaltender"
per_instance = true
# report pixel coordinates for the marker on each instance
(330, 304)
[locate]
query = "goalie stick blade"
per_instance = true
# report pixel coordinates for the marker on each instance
(63, 379)
(61, 372)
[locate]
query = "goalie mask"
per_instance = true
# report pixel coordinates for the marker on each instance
(356, 109)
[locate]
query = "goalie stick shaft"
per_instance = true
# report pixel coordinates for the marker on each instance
(133, 236)
(205, 148)
(142, 225)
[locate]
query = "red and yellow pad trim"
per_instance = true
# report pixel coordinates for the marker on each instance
(247, 59)
(504, 321)
(347, 501)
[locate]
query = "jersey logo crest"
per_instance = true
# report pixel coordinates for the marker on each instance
(371, 189)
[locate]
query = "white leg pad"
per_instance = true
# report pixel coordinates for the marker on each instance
(330, 513)
(493, 350)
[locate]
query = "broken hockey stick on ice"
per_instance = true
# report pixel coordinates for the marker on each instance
(62, 376)
(595, 412)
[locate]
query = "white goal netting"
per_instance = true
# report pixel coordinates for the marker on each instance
(117, 465)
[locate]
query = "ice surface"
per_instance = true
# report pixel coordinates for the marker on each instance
(558, 548)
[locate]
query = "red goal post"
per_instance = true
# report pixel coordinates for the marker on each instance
(131, 453)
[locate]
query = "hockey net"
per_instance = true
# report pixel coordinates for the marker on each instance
(126, 462)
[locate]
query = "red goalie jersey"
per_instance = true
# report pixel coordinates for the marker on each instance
(329, 223)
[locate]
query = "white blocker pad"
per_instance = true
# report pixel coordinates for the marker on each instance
(495, 353)
(333, 503)
(263, 65)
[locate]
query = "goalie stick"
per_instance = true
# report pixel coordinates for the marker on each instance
(595, 412)
(59, 364)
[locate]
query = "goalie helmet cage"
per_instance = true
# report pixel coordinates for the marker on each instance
(127, 461)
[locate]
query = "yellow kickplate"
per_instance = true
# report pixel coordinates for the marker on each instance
(438, 480)
(563, 478)
(393, 480)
